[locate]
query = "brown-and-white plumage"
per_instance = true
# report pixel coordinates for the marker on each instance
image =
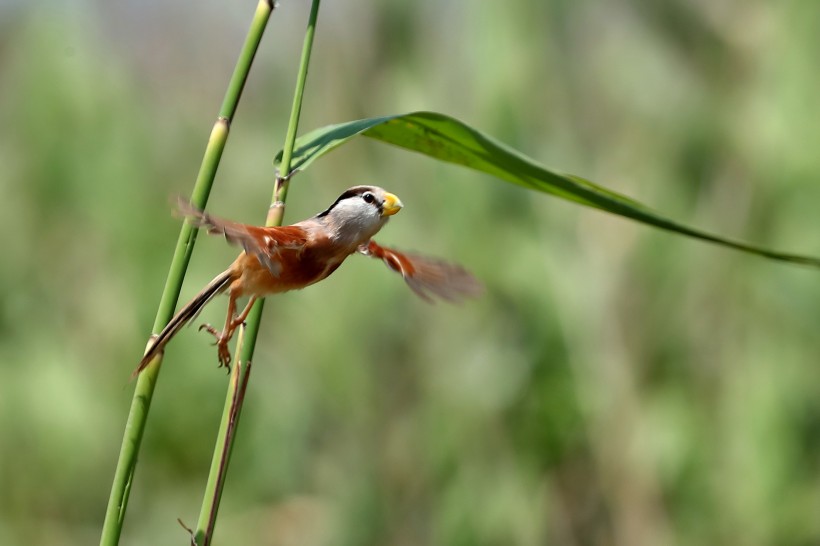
(279, 259)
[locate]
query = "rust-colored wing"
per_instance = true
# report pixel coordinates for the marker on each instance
(263, 242)
(427, 276)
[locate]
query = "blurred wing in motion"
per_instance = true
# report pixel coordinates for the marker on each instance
(427, 276)
(263, 242)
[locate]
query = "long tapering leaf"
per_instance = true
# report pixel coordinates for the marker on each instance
(453, 141)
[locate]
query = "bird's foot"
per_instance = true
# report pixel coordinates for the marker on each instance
(223, 353)
(211, 330)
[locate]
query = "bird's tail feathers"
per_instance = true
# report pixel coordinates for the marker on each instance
(183, 317)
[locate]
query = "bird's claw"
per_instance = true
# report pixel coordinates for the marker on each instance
(211, 330)
(223, 353)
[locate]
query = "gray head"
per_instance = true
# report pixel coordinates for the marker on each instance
(360, 212)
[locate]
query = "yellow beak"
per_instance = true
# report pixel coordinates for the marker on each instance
(391, 205)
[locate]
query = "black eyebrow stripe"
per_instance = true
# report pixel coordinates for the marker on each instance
(352, 192)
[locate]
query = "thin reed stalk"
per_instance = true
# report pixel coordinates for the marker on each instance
(144, 391)
(247, 339)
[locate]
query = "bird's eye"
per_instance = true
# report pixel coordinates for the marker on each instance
(368, 197)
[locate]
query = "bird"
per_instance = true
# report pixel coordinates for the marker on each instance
(283, 258)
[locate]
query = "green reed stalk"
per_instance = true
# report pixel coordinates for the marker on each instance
(247, 338)
(141, 402)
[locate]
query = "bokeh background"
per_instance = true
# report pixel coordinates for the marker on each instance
(615, 385)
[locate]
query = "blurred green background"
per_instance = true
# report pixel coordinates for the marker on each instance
(616, 385)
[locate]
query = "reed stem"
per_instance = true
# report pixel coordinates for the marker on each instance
(146, 382)
(246, 341)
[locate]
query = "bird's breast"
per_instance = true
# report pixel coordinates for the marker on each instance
(299, 268)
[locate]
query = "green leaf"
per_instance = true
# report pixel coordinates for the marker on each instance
(450, 140)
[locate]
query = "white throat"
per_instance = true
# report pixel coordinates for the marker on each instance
(352, 224)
